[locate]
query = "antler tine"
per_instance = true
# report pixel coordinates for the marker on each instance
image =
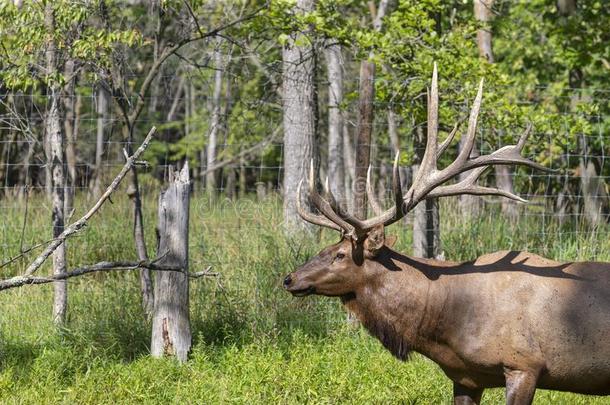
(469, 186)
(324, 206)
(397, 186)
(428, 181)
(510, 154)
(396, 212)
(428, 163)
(330, 196)
(375, 205)
(311, 217)
(524, 136)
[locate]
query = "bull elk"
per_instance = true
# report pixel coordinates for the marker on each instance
(507, 319)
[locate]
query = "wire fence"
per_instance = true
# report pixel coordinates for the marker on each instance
(235, 229)
(577, 193)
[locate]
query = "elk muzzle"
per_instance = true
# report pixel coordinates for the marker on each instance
(297, 287)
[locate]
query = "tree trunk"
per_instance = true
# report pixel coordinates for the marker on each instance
(299, 107)
(591, 184)
(102, 119)
(56, 160)
(592, 187)
(177, 99)
(210, 177)
(426, 234)
(504, 179)
(405, 175)
(70, 105)
(336, 172)
(591, 192)
(426, 217)
(231, 183)
(242, 178)
(349, 165)
(483, 14)
(5, 150)
(57, 163)
(171, 330)
(24, 179)
(364, 130)
(133, 191)
(470, 205)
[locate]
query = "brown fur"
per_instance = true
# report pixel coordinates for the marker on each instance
(510, 319)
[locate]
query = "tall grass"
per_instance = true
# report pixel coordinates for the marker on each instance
(253, 343)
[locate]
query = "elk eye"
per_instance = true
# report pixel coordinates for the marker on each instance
(339, 256)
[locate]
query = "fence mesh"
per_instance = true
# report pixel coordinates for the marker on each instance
(240, 220)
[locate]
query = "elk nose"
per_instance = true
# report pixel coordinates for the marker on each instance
(287, 281)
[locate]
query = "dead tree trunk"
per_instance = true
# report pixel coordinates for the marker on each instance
(171, 330)
(299, 107)
(335, 121)
(57, 163)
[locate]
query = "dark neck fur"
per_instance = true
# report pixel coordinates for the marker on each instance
(398, 287)
(379, 327)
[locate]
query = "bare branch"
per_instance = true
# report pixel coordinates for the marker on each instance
(204, 273)
(19, 281)
(244, 153)
(78, 225)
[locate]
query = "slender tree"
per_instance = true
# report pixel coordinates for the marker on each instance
(504, 174)
(215, 121)
(56, 161)
(299, 107)
(336, 171)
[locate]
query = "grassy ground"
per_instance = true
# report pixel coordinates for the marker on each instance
(253, 342)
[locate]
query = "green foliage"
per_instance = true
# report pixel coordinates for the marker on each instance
(77, 35)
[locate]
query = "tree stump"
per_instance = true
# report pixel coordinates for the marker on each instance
(171, 330)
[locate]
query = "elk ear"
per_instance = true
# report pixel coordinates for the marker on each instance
(390, 240)
(374, 241)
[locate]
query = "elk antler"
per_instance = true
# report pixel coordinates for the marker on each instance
(428, 179)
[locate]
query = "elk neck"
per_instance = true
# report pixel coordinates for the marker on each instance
(400, 305)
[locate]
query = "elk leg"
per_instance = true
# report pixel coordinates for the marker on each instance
(520, 386)
(466, 396)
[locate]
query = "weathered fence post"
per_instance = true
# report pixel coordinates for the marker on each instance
(171, 330)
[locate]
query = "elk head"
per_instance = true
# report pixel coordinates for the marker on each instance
(342, 268)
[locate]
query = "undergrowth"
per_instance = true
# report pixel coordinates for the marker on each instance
(253, 343)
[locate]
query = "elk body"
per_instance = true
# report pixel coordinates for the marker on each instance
(510, 319)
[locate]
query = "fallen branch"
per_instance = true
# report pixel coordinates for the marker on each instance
(78, 225)
(204, 273)
(19, 281)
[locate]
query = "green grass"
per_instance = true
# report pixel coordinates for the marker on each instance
(253, 343)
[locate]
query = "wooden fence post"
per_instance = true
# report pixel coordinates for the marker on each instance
(171, 330)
